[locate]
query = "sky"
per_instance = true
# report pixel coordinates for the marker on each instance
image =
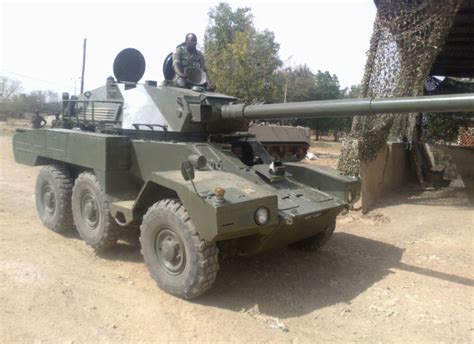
(42, 41)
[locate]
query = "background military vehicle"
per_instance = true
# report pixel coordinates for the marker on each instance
(180, 163)
(284, 142)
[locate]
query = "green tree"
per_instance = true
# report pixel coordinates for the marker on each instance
(293, 84)
(353, 92)
(8, 88)
(298, 84)
(326, 86)
(45, 101)
(240, 60)
(244, 62)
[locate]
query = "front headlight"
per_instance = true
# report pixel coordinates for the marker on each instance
(349, 196)
(262, 216)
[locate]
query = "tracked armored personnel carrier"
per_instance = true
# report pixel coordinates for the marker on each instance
(283, 142)
(180, 164)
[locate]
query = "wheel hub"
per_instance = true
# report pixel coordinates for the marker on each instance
(169, 251)
(90, 211)
(49, 200)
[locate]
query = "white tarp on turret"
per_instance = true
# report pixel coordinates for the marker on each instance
(140, 108)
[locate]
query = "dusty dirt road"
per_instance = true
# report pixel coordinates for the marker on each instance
(402, 273)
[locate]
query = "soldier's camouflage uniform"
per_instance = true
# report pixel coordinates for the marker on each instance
(184, 58)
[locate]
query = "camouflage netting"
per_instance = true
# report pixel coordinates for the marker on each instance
(407, 37)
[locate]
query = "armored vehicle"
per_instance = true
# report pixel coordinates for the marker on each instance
(180, 164)
(283, 142)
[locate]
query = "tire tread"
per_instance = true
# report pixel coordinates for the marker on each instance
(64, 182)
(111, 228)
(207, 253)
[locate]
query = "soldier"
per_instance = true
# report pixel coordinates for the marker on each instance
(187, 55)
(37, 121)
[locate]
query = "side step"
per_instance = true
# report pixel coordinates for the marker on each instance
(122, 211)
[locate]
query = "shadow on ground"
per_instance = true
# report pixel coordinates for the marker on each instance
(290, 283)
(460, 197)
(126, 250)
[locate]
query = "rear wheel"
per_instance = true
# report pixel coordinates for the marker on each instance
(91, 213)
(179, 260)
(53, 198)
(317, 241)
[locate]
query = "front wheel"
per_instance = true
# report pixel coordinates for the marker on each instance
(179, 260)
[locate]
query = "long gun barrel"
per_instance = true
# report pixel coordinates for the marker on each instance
(351, 107)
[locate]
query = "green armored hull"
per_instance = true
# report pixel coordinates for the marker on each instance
(135, 173)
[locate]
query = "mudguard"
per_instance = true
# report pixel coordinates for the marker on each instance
(216, 220)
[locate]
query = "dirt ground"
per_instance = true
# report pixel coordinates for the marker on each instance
(326, 152)
(402, 273)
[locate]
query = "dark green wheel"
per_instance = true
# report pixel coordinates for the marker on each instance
(169, 249)
(90, 209)
(179, 260)
(53, 198)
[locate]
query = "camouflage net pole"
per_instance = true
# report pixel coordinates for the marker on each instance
(407, 37)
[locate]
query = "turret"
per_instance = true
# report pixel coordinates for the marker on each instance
(131, 105)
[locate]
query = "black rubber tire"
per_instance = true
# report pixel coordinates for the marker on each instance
(200, 263)
(317, 241)
(98, 228)
(55, 182)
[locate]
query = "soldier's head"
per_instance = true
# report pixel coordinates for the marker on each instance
(190, 41)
